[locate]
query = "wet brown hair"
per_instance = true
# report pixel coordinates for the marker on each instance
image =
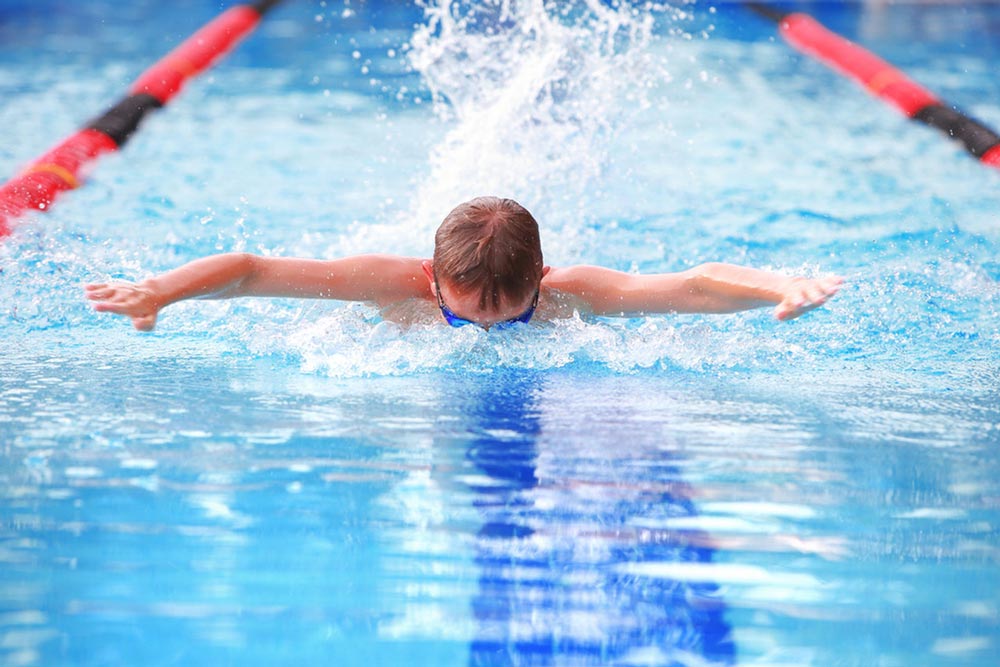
(489, 246)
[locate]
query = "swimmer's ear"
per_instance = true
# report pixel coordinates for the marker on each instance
(428, 267)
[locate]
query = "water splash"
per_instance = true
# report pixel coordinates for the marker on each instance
(534, 93)
(354, 342)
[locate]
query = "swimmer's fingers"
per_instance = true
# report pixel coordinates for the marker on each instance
(822, 289)
(105, 291)
(133, 305)
(815, 293)
(115, 301)
(99, 293)
(805, 295)
(142, 319)
(129, 300)
(145, 322)
(119, 308)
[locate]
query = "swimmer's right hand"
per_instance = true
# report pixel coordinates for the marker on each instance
(135, 301)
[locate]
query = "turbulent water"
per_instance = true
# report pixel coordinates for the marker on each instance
(288, 482)
(637, 140)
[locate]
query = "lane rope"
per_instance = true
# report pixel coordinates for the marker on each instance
(61, 167)
(883, 80)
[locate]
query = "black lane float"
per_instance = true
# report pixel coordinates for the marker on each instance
(37, 186)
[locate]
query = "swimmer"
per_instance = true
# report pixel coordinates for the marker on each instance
(487, 270)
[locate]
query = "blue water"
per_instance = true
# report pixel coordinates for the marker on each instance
(282, 482)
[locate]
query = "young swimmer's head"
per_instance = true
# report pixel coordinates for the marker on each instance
(487, 263)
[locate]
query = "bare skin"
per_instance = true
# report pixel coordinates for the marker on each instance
(388, 280)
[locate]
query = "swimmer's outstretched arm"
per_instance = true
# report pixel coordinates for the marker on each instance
(708, 288)
(379, 278)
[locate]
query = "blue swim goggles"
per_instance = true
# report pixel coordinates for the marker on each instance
(456, 321)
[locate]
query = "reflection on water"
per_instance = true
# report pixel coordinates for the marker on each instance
(555, 586)
(510, 518)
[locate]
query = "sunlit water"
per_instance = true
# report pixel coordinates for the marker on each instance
(281, 482)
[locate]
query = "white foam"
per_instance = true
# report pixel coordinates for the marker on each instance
(352, 341)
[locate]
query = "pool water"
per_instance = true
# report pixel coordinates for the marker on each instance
(283, 482)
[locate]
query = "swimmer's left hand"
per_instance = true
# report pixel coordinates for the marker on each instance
(804, 294)
(137, 302)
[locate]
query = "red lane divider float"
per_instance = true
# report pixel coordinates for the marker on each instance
(60, 169)
(883, 80)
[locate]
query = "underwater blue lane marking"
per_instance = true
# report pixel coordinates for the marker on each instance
(522, 579)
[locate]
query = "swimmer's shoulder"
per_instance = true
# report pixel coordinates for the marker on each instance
(562, 293)
(395, 279)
